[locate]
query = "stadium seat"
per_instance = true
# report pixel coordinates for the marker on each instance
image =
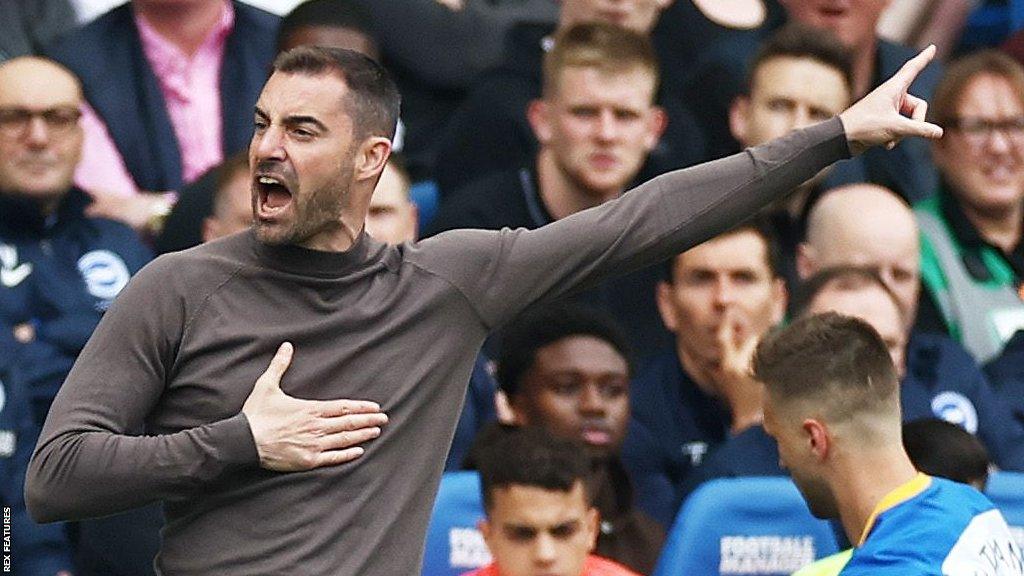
(454, 544)
(742, 526)
(1006, 490)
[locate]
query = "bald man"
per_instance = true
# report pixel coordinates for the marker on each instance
(865, 225)
(59, 270)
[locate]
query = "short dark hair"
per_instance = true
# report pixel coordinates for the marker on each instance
(609, 48)
(372, 100)
(759, 224)
(528, 456)
(349, 14)
(548, 324)
(796, 40)
(837, 361)
(849, 277)
(943, 449)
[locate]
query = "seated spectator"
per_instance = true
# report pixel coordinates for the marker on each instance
(60, 268)
(800, 76)
(565, 369)
(718, 299)
(392, 216)
(171, 88)
(973, 230)
(492, 131)
(596, 124)
(540, 517)
(907, 169)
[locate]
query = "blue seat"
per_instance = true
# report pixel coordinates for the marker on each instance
(1006, 491)
(741, 526)
(454, 544)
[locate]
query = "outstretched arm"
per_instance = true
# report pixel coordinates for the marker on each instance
(500, 273)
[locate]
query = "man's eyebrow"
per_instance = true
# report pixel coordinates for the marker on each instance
(299, 119)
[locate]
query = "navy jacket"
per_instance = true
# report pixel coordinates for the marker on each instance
(57, 274)
(1006, 373)
(120, 85)
(673, 425)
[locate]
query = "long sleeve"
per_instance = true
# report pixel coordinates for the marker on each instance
(501, 273)
(89, 460)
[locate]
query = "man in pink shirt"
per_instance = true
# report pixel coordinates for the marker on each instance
(169, 94)
(540, 518)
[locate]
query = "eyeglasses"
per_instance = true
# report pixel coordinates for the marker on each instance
(978, 131)
(15, 122)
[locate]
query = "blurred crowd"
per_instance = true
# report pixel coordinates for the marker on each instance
(124, 136)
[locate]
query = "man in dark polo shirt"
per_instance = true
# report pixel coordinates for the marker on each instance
(261, 479)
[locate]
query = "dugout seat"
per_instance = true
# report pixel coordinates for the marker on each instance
(744, 526)
(454, 544)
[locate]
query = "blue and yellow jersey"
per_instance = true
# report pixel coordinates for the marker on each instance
(935, 526)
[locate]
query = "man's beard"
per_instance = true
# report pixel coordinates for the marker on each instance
(318, 213)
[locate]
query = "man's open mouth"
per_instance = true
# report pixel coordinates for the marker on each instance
(273, 195)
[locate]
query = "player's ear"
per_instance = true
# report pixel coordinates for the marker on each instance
(818, 438)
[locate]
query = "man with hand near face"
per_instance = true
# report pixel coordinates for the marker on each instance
(718, 299)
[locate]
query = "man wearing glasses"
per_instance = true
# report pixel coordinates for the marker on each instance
(59, 271)
(972, 253)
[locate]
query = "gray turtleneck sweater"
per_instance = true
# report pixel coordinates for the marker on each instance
(177, 354)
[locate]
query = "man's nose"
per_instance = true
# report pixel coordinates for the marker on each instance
(591, 400)
(37, 133)
(269, 145)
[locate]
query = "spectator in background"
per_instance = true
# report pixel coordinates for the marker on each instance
(492, 130)
(832, 403)
(596, 124)
(1006, 373)
(908, 169)
(718, 299)
(540, 516)
(170, 88)
(28, 25)
(973, 229)
(799, 76)
(565, 369)
(59, 268)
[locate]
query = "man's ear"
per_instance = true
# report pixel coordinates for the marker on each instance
(780, 299)
(593, 520)
(804, 261)
(657, 121)
(371, 157)
(739, 112)
(818, 438)
(663, 298)
(538, 113)
(484, 526)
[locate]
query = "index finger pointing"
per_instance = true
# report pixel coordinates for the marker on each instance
(914, 66)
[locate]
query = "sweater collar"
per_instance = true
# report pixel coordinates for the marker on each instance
(24, 216)
(305, 262)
